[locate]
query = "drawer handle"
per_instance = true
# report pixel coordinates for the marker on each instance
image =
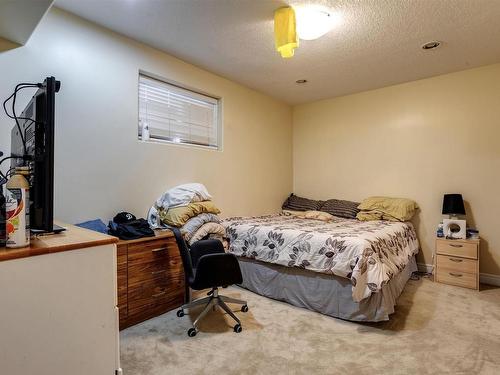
(456, 260)
(454, 245)
(159, 249)
(158, 272)
(456, 274)
(158, 294)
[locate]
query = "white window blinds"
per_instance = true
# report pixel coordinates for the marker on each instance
(174, 114)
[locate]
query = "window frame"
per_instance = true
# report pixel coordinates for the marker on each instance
(218, 114)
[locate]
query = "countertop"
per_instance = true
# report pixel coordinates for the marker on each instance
(72, 238)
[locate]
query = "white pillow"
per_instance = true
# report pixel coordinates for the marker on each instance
(318, 215)
(182, 195)
(301, 214)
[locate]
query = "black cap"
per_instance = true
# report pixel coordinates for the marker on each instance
(453, 204)
(123, 217)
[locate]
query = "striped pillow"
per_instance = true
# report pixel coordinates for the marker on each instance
(340, 208)
(296, 203)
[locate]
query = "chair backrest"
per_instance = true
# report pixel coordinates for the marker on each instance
(185, 256)
(204, 247)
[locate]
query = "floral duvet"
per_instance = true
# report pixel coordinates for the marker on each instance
(369, 253)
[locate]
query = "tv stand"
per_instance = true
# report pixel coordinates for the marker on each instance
(58, 295)
(55, 230)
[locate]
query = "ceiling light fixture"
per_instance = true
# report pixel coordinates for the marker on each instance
(314, 21)
(285, 32)
(301, 81)
(307, 22)
(431, 45)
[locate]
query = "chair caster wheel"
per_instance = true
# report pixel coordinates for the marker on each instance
(244, 308)
(180, 313)
(192, 332)
(237, 328)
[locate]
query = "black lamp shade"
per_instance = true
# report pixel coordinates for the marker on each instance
(453, 204)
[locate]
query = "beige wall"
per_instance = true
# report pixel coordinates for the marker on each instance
(101, 167)
(417, 140)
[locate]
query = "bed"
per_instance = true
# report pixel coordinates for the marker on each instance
(345, 268)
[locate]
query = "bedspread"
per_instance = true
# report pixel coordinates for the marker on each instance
(368, 253)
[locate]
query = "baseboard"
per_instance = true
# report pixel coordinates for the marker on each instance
(427, 268)
(484, 278)
(488, 278)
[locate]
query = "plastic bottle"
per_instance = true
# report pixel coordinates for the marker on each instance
(440, 231)
(17, 209)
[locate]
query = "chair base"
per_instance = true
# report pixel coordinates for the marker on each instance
(211, 302)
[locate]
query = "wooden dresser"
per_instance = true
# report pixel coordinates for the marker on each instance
(150, 278)
(457, 262)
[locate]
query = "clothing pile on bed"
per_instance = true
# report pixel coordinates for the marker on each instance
(190, 208)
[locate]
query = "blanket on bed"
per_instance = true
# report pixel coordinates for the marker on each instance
(368, 253)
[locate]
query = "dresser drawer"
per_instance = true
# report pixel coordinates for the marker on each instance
(141, 313)
(149, 289)
(122, 313)
(157, 301)
(122, 283)
(121, 250)
(464, 279)
(151, 250)
(455, 264)
(121, 260)
(457, 249)
(141, 272)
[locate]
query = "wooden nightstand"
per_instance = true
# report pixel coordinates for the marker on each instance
(457, 262)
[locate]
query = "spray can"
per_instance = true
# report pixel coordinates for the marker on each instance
(17, 209)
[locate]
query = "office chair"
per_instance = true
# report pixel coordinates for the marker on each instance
(207, 265)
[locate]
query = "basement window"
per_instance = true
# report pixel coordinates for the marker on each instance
(174, 114)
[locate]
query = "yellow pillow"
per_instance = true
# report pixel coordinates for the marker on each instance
(375, 215)
(178, 216)
(369, 215)
(397, 209)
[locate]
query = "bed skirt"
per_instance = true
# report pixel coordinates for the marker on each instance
(327, 294)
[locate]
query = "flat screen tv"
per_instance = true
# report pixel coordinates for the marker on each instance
(35, 149)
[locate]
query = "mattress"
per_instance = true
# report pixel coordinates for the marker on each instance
(367, 254)
(326, 294)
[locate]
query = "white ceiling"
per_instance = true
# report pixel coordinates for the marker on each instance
(376, 45)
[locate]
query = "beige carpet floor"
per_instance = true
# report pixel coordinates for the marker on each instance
(437, 329)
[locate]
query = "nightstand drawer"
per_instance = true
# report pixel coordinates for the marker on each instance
(467, 280)
(457, 249)
(454, 264)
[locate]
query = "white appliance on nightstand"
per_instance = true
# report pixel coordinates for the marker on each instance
(453, 227)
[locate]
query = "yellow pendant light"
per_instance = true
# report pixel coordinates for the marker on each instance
(285, 31)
